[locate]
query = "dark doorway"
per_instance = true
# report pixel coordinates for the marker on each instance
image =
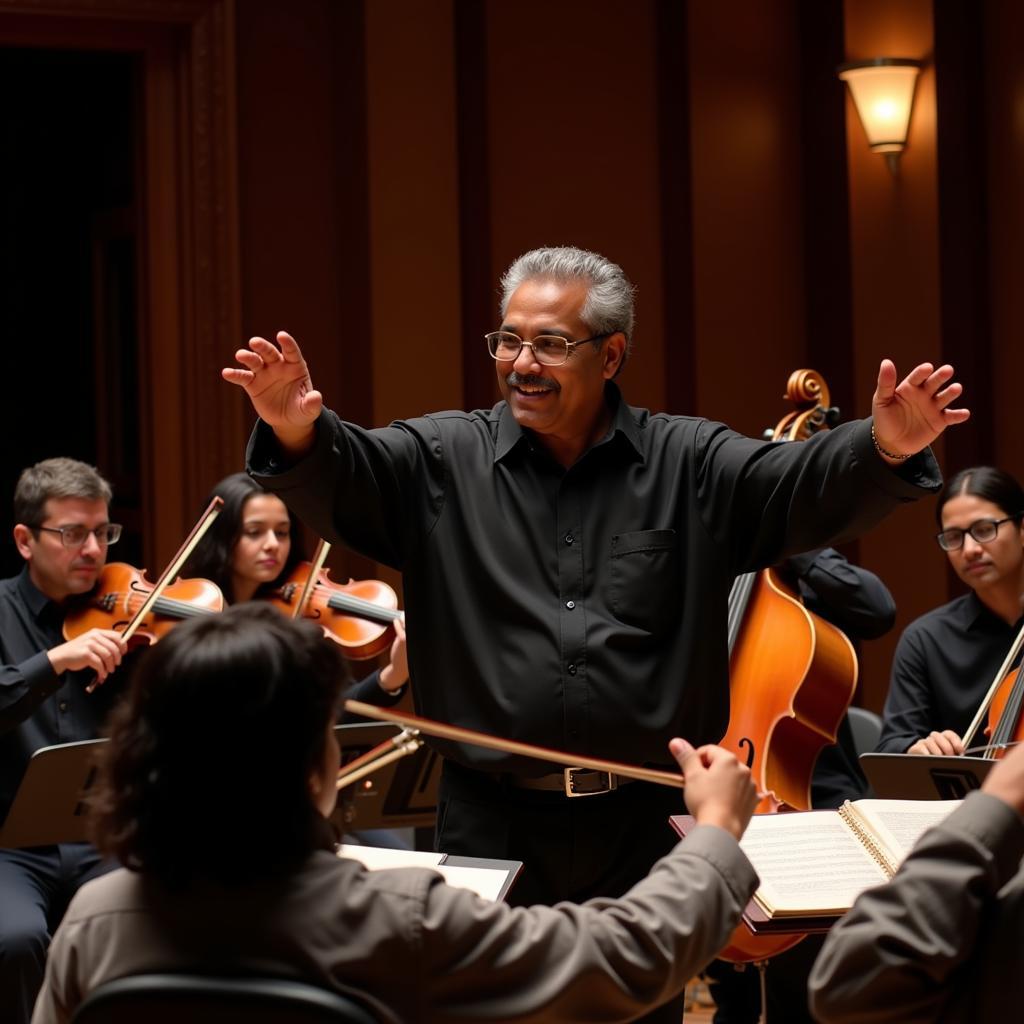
(69, 277)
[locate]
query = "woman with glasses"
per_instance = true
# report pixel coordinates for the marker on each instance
(946, 660)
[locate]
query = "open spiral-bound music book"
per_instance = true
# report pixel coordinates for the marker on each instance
(814, 864)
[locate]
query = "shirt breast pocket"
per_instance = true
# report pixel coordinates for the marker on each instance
(645, 579)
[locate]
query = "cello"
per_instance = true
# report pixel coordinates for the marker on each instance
(1004, 706)
(792, 675)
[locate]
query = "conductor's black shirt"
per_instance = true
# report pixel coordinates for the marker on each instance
(585, 608)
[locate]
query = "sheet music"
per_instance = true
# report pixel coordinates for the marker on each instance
(808, 862)
(486, 882)
(378, 857)
(900, 823)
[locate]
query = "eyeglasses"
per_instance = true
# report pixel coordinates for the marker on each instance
(982, 530)
(548, 349)
(75, 536)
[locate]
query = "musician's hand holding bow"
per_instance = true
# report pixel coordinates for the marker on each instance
(98, 649)
(909, 416)
(277, 381)
(941, 744)
(719, 790)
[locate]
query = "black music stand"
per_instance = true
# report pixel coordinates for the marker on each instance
(402, 794)
(48, 806)
(924, 776)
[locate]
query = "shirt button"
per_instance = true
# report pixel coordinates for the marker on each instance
(572, 668)
(569, 538)
(63, 705)
(570, 605)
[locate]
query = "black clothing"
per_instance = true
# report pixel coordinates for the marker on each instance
(943, 667)
(369, 691)
(556, 606)
(859, 603)
(851, 598)
(38, 708)
(36, 886)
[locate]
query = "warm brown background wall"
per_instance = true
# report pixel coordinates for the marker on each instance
(372, 165)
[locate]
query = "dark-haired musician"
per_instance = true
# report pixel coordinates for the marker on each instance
(947, 659)
(62, 530)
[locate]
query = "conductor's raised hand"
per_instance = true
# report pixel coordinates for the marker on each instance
(910, 415)
(718, 789)
(277, 381)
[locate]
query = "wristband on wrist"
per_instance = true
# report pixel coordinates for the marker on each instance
(881, 451)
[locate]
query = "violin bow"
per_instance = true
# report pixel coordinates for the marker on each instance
(429, 727)
(170, 572)
(993, 690)
(392, 749)
(319, 557)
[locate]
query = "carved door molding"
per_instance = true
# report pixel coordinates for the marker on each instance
(192, 426)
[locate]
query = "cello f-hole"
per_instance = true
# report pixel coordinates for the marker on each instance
(749, 744)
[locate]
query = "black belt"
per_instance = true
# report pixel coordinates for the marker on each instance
(571, 782)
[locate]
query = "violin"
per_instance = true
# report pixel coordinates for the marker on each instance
(120, 593)
(792, 675)
(358, 615)
(150, 594)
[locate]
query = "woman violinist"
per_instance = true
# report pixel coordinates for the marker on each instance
(253, 547)
(946, 659)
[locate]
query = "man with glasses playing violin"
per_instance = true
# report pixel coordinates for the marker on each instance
(946, 660)
(62, 530)
(567, 559)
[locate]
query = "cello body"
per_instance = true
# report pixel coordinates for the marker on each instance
(792, 676)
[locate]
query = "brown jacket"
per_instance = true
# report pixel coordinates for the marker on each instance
(420, 949)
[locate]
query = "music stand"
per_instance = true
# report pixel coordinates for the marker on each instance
(402, 794)
(924, 776)
(48, 806)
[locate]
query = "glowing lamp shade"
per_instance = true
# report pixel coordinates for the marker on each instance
(883, 93)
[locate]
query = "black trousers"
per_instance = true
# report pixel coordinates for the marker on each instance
(36, 885)
(571, 848)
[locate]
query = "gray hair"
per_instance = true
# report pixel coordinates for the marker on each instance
(608, 307)
(56, 478)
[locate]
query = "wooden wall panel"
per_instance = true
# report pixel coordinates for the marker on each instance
(292, 252)
(1004, 120)
(573, 150)
(896, 311)
(414, 210)
(747, 235)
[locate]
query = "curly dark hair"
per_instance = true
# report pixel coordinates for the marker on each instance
(988, 483)
(211, 559)
(207, 771)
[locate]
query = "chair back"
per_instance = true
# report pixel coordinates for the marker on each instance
(204, 999)
(866, 727)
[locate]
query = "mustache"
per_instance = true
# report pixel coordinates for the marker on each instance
(516, 380)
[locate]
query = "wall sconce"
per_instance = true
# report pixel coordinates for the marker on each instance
(883, 93)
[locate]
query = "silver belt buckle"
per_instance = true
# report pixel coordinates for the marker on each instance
(610, 783)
